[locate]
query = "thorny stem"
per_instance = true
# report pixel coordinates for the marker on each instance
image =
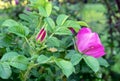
(118, 4)
(40, 19)
(110, 9)
(41, 49)
(110, 22)
(53, 33)
(27, 41)
(74, 43)
(25, 76)
(38, 26)
(30, 45)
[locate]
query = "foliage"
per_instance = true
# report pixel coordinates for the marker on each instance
(56, 58)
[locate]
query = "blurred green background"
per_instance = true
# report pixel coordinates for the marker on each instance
(103, 16)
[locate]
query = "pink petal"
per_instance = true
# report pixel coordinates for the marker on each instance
(94, 47)
(84, 30)
(95, 51)
(83, 38)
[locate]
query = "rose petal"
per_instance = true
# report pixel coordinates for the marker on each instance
(95, 51)
(83, 38)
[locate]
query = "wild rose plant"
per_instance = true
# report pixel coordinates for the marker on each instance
(42, 48)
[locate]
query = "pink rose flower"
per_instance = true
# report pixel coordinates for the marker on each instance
(41, 36)
(88, 43)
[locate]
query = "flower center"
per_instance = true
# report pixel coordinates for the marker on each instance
(88, 49)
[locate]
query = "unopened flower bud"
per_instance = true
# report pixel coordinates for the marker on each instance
(72, 30)
(41, 36)
(27, 8)
(16, 2)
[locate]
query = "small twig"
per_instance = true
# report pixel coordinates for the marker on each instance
(110, 9)
(118, 4)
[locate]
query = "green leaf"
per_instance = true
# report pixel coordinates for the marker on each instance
(61, 19)
(42, 59)
(19, 30)
(74, 57)
(103, 62)
(41, 2)
(9, 56)
(42, 11)
(66, 66)
(19, 62)
(63, 31)
(48, 8)
(37, 3)
(56, 8)
(66, 42)
(116, 67)
(51, 24)
(16, 28)
(25, 17)
(82, 23)
(5, 40)
(73, 24)
(30, 19)
(92, 63)
(5, 70)
(9, 23)
(56, 42)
